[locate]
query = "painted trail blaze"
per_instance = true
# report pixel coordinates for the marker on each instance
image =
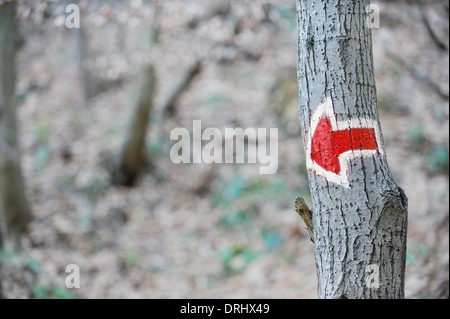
(327, 145)
(331, 144)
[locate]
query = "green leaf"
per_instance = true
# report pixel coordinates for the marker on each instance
(216, 99)
(61, 293)
(236, 218)
(132, 258)
(40, 292)
(234, 188)
(288, 258)
(42, 132)
(271, 238)
(52, 292)
(226, 255)
(288, 17)
(237, 258)
(416, 133)
(42, 156)
(249, 255)
(438, 159)
(34, 265)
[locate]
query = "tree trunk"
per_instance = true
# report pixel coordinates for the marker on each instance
(14, 210)
(133, 152)
(79, 40)
(359, 213)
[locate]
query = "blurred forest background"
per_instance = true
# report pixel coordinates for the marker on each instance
(197, 230)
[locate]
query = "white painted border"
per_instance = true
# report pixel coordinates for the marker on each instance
(326, 110)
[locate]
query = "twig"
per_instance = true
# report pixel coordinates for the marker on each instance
(182, 85)
(222, 10)
(416, 73)
(441, 45)
(306, 214)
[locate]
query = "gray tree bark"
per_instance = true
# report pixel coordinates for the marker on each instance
(14, 210)
(360, 216)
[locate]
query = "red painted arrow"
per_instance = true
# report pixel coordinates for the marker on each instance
(327, 145)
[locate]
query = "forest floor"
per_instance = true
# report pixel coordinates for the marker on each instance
(198, 230)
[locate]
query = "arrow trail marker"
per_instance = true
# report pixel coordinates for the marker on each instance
(331, 144)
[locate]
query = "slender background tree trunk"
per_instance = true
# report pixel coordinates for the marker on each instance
(14, 210)
(359, 213)
(133, 153)
(81, 46)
